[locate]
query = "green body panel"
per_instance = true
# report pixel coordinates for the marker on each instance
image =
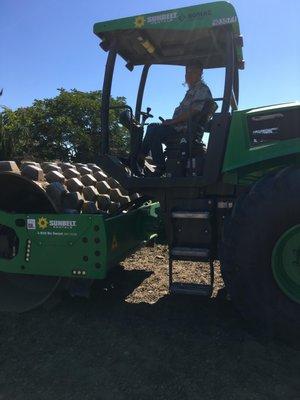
(76, 245)
(202, 16)
(286, 263)
(245, 163)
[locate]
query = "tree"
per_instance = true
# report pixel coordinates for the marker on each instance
(66, 127)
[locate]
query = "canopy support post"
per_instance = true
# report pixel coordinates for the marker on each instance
(106, 90)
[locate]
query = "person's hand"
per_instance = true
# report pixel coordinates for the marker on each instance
(168, 122)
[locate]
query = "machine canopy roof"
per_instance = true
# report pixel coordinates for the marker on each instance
(176, 36)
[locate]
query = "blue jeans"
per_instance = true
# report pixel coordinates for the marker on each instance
(156, 136)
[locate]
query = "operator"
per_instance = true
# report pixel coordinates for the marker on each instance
(158, 134)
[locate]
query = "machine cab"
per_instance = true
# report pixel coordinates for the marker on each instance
(207, 34)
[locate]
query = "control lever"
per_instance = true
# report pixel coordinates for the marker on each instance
(148, 112)
(161, 119)
(146, 115)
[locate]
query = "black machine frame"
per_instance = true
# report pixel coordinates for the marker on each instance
(218, 132)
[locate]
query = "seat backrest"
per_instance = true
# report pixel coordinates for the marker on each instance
(198, 121)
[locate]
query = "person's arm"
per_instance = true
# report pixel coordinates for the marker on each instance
(183, 117)
(196, 106)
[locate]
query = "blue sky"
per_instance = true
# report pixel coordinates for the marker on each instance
(47, 44)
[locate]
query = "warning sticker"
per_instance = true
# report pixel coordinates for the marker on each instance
(114, 243)
(31, 223)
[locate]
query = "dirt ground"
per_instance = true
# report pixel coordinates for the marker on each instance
(132, 340)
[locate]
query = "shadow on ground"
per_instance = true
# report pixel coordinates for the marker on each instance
(109, 348)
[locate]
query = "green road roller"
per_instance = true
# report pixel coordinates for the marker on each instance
(233, 198)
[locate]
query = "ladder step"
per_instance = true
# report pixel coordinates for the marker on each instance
(190, 252)
(191, 214)
(191, 288)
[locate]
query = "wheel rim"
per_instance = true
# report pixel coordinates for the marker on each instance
(286, 263)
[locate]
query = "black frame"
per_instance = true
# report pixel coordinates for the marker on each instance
(140, 95)
(217, 140)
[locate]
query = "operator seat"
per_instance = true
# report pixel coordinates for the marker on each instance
(185, 150)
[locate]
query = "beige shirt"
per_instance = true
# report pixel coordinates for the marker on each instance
(195, 98)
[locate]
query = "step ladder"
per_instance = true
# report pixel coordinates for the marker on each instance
(192, 254)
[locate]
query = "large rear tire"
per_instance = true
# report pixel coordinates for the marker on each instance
(259, 221)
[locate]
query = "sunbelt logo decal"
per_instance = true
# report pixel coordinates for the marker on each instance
(139, 21)
(62, 224)
(44, 223)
